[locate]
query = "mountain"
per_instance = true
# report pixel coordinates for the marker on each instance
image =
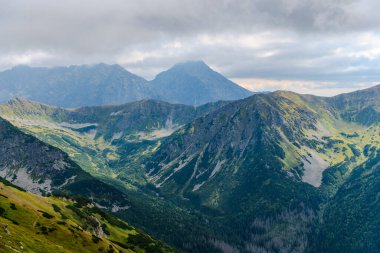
(74, 86)
(195, 83)
(282, 128)
(262, 163)
(241, 164)
(275, 172)
(244, 134)
(32, 223)
(192, 83)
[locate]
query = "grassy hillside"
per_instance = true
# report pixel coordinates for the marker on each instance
(32, 223)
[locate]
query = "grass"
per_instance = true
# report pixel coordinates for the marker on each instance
(35, 225)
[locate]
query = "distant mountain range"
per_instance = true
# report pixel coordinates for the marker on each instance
(190, 83)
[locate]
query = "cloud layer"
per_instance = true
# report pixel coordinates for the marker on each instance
(326, 44)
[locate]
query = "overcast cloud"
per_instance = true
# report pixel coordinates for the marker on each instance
(310, 46)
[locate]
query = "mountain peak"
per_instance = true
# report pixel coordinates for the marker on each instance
(193, 67)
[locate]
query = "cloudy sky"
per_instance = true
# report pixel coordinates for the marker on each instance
(309, 46)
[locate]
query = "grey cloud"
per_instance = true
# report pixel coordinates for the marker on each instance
(304, 58)
(108, 26)
(141, 35)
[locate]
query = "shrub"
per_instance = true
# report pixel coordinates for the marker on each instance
(46, 215)
(105, 229)
(44, 230)
(13, 206)
(95, 239)
(51, 229)
(56, 208)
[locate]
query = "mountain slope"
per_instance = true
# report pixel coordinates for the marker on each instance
(351, 219)
(195, 83)
(31, 223)
(248, 131)
(35, 166)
